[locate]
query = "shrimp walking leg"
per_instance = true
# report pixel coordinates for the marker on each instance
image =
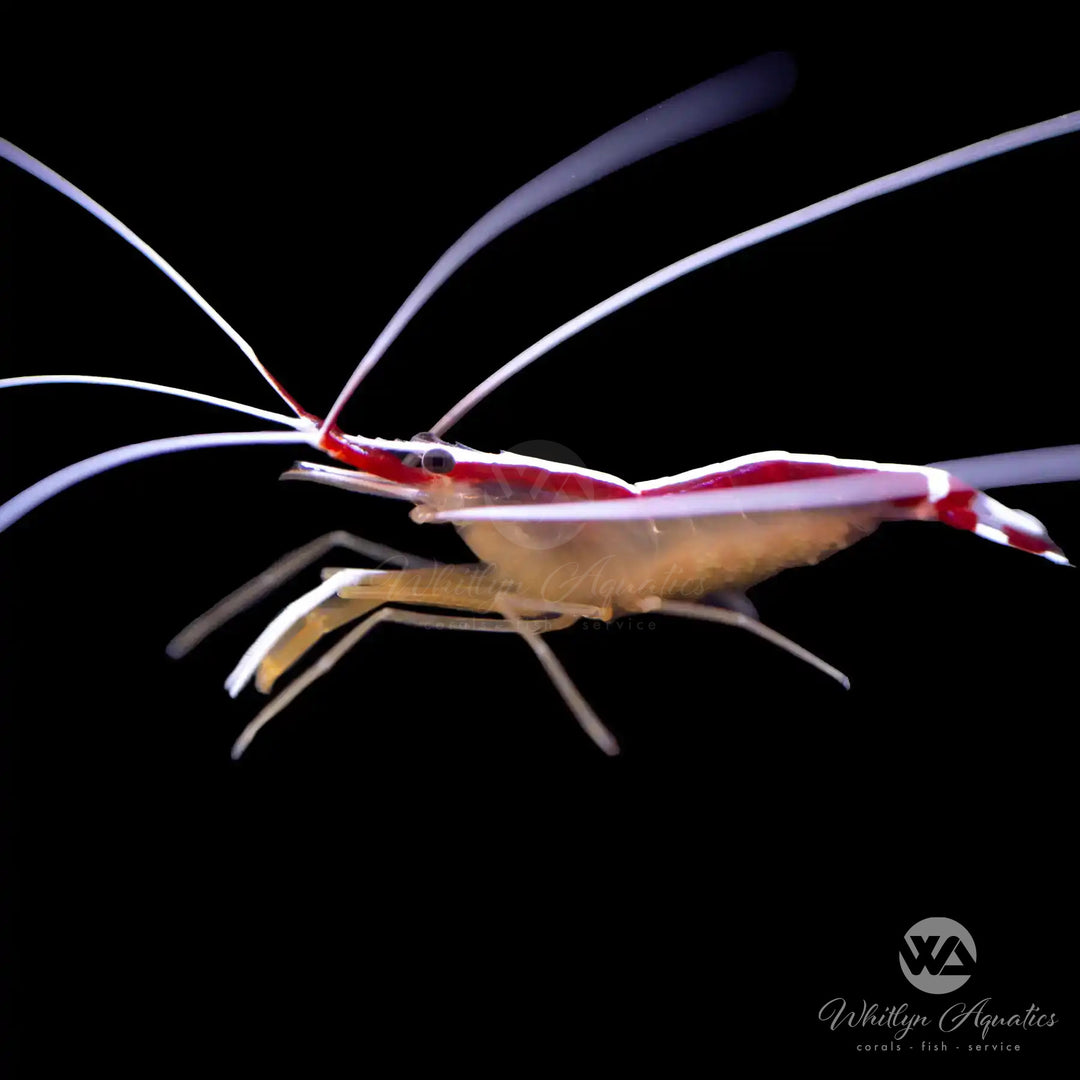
(286, 568)
(687, 610)
(461, 587)
(326, 662)
(347, 595)
(590, 723)
(471, 589)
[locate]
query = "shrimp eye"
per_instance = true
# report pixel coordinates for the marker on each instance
(438, 460)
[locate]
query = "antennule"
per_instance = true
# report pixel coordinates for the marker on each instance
(300, 423)
(20, 158)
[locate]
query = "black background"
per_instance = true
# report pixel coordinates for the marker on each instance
(424, 856)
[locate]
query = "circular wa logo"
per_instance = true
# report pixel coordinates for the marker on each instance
(937, 956)
(519, 485)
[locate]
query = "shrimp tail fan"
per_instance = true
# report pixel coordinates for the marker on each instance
(964, 507)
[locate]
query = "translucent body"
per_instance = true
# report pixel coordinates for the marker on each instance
(619, 564)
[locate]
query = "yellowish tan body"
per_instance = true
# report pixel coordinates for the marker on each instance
(618, 564)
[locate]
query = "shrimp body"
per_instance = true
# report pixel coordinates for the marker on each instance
(556, 545)
(621, 563)
(543, 570)
(687, 558)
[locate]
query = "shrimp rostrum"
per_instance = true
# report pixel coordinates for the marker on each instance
(554, 543)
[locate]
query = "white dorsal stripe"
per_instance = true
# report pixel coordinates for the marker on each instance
(59, 481)
(300, 423)
(1048, 465)
(937, 479)
(505, 459)
(925, 170)
(741, 92)
(760, 498)
(30, 164)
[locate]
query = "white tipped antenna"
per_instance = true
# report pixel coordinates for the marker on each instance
(300, 423)
(51, 485)
(896, 181)
(736, 94)
(20, 158)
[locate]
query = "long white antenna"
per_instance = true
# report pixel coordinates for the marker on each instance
(914, 174)
(62, 479)
(300, 423)
(741, 92)
(24, 161)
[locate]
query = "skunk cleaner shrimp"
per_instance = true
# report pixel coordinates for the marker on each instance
(558, 544)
